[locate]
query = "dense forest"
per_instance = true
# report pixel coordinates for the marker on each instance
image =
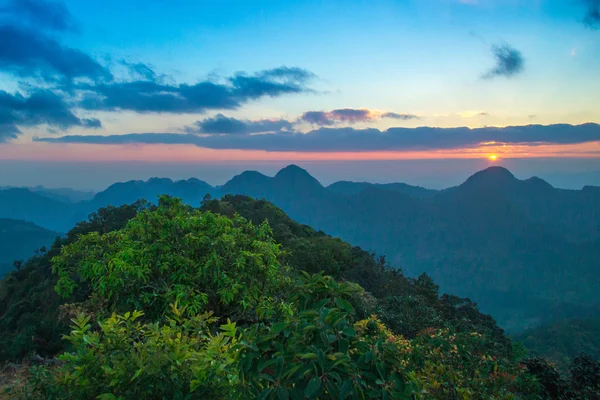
(236, 300)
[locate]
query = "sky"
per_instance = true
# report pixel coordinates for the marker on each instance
(425, 92)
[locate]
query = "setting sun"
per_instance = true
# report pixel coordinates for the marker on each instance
(493, 157)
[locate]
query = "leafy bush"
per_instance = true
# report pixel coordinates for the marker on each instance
(202, 261)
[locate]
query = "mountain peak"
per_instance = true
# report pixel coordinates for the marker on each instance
(292, 170)
(296, 175)
(538, 182)
(493, 175)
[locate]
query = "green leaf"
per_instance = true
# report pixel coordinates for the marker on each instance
(313, 387)
(345, 389)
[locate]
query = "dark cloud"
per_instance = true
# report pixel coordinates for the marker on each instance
(152, 96)
(40, 14)
(317, 118)
(404, 117)
(509, 62)
(350, 116)
(272, 82)
(340, 115)
(40, 107)
(26, 54)
(349, 139)
(592, 16)
(223, 125)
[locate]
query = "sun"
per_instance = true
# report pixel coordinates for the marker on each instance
(493, 157)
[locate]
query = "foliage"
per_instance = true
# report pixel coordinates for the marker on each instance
(583, 382)
(563, 341)
(202, 261)
(29, 306)
(127, 359)
(459, 366)
(318, 353)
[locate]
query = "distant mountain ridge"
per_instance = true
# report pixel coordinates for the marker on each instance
(19, 240)
(65, 195)
(352, 188)
(484, 239)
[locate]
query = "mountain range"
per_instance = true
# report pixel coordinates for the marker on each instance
(525, 251)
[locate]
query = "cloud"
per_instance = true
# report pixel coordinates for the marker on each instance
(152, 96)
(141, 71)
(223, 125)
(40, 107)
(317, 118)
(41, 14)
(340, 115)
(403, 117)
(350, 116)
(27, 54)
(272, 82)
(349, 139)
(592, 15)
(94, 123)
(509, 62)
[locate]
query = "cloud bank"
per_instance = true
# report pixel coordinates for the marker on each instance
(357, 140)
(222, 125)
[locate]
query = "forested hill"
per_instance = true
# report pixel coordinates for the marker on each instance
(489, 239)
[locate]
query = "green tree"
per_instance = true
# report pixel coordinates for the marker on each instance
(175, 254)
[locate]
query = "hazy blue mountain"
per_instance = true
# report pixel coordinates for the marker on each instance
(523, 249)
(65, 195)
(352, 188)
(192, 191)
(19, 240)
(23, 204)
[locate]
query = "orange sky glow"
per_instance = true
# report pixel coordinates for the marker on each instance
(190, 153)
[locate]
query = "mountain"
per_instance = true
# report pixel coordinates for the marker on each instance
(23, 204)
(19, 241)
(352, 188)
(64, 195)
(191, 191)
(525, 251)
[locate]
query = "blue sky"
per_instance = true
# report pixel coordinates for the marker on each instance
(335, 74)
(409, 55)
